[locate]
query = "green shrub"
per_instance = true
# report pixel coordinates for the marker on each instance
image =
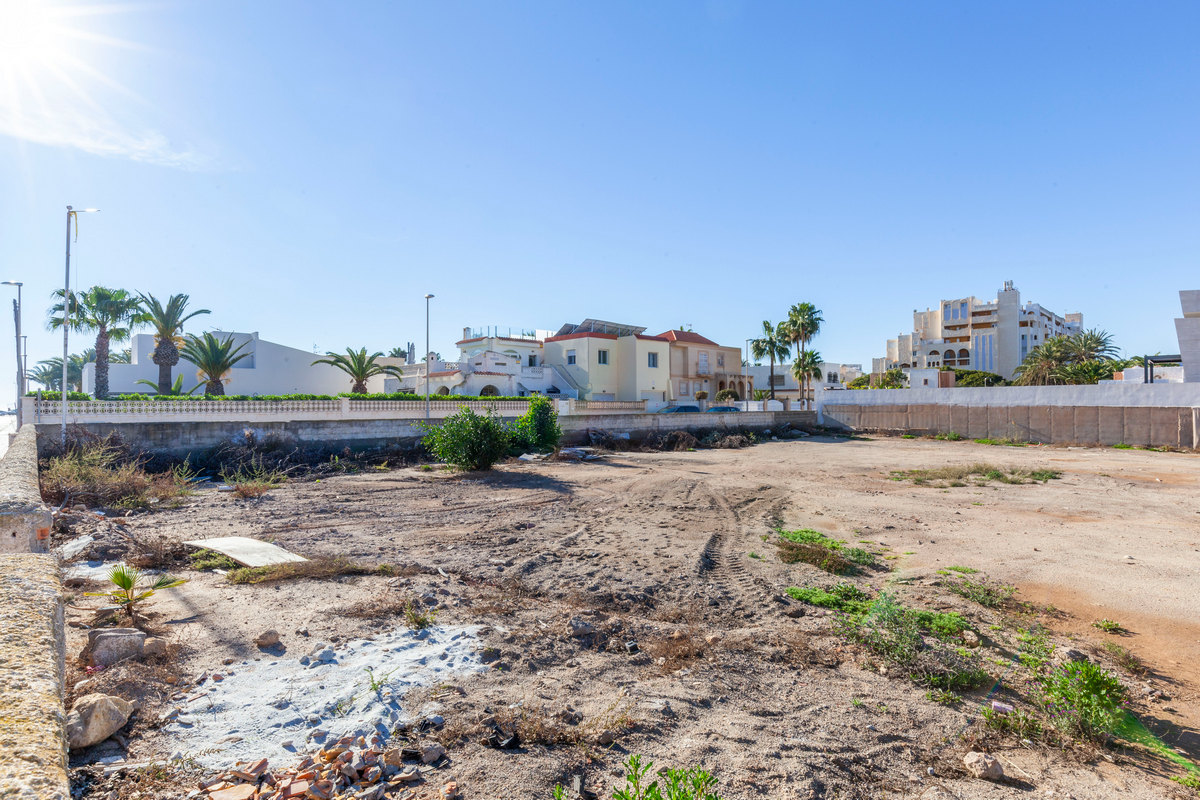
(987, 593)
(641, 783)
(701, 395)
(49, 394)
(809, 536)
(537, 429)
(405, 396)
(726, 395)
(1083, 699)
(469, 440)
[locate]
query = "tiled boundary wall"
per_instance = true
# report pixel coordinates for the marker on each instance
(183, 437)
(1154, 415)
(33, 758)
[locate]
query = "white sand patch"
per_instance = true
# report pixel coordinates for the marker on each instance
(280, 707)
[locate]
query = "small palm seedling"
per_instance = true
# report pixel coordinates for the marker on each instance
(131, 587)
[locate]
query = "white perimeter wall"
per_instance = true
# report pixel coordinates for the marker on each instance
(1117, 393)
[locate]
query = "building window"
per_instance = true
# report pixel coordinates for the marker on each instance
(570, 356)
(683, 388)
(601, 356)
(652, 360)
(532, 360)
(776, 380)
(720, 360)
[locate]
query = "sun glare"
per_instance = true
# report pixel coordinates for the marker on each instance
(32, 35)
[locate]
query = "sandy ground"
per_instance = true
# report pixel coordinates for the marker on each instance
(647, 546)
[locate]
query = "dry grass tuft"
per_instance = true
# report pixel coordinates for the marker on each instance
(100, 472)
(820, 557)
(313, 569)
(677, 650)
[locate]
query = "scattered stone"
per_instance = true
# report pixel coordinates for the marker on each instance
(983, 766)
(154, 646)
(970, 638)
(579, 627)
(431, 752)
(112, 645)
(268, 638)
(94, 718)
(1064, 654)
(606, 737)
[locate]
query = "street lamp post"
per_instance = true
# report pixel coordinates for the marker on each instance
(67, 316)
(428, 297)
(20, 369)
(747, 372)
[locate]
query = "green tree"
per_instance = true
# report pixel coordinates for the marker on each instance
(892, 379)
(359, 366)
(807, 367)
(803, 323)
(213, 359)
(111, 313)
(773, 344)
(167, 321)
(1084, 358)
(537, 429)
(468, 440)
(48, 374)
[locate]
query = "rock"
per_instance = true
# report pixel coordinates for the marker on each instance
(449, 791)
(154, 646)
(431, 752)
(71, 549)
(970, 638)
(580, 627)
(241, 792)
(606, 737)
(1064, 654)
(984, 766)
(268, 638)
(112, 645)
(94, 718)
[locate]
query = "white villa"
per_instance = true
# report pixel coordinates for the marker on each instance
(834, 376)
(270, 368)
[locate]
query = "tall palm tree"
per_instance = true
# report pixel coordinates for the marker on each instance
(359, 366)
(167, 322)
(213, 359)
(1084, 358)
(803, 323)
(772, 344)
(75, 364)
(805, 368)
(1091, 345)
(111, 313)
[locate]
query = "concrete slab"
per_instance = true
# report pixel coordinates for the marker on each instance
(1087, 424)
(1039, 424)
(247, 552)
(1137, 426)
(977, 422)
(1112, 425)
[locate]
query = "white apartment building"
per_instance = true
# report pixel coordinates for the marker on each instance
(968, 333)
(833, 376)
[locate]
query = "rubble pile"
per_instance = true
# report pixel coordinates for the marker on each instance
(346, 769)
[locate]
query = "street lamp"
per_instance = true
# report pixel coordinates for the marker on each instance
(71, 212)
(20, 370)
(428, 297)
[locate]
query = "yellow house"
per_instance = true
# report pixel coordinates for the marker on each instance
(609, 361)
(700, 364)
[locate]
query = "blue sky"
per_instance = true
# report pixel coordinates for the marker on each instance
(311, 170)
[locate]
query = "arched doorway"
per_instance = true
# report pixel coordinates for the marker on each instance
(443, 390)
(489, 391)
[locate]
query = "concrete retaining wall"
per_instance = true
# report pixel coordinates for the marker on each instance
(33, 748)
(24, 520)
(180, 438)
(1105, 425)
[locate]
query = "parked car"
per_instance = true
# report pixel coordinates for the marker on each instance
(723, 409)
(680, 410)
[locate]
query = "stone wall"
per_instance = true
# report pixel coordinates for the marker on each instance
(24, 520)
(33, 749)
(180, 438)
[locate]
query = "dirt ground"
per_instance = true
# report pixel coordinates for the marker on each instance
(673, 551)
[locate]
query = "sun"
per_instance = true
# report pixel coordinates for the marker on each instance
(33, 36)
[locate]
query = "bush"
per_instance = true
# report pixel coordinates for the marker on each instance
(468, 440)
(1083, 699)
(726, 395)
(100, 472)
(537, 429)
(701, 395)
(51, 394)
(406, 396)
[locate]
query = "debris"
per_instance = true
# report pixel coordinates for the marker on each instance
(108, 646)
(268, 638)
(247, 552)
(579, 627)
(431, 752)
(154, 646)
(983, 766)
(74, 548)
(502, 738)
(1001, 708)
(94, 718)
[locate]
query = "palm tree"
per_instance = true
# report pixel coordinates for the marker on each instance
(1084, 358)
(47, 374)
(111, 313)
(121, 357)
(213, 359)
(1091, 345)
(359, 366)
(175, 388)
(803, 323)
(772, 344)
(807, 367)
(167, 322)
(398, 352)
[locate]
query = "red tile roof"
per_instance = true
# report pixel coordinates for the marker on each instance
(687, 337)
(478, 372)
(444, 373)
(502, 339)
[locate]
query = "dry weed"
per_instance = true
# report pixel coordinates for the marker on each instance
(313, 569)
(677, 650)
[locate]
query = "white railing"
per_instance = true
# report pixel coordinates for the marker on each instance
(607, 406)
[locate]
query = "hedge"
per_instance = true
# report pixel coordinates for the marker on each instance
(281, 397)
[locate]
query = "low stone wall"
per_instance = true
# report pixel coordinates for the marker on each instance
(1143, 426)
(24, 520)
(181, 438)
(33, 749)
